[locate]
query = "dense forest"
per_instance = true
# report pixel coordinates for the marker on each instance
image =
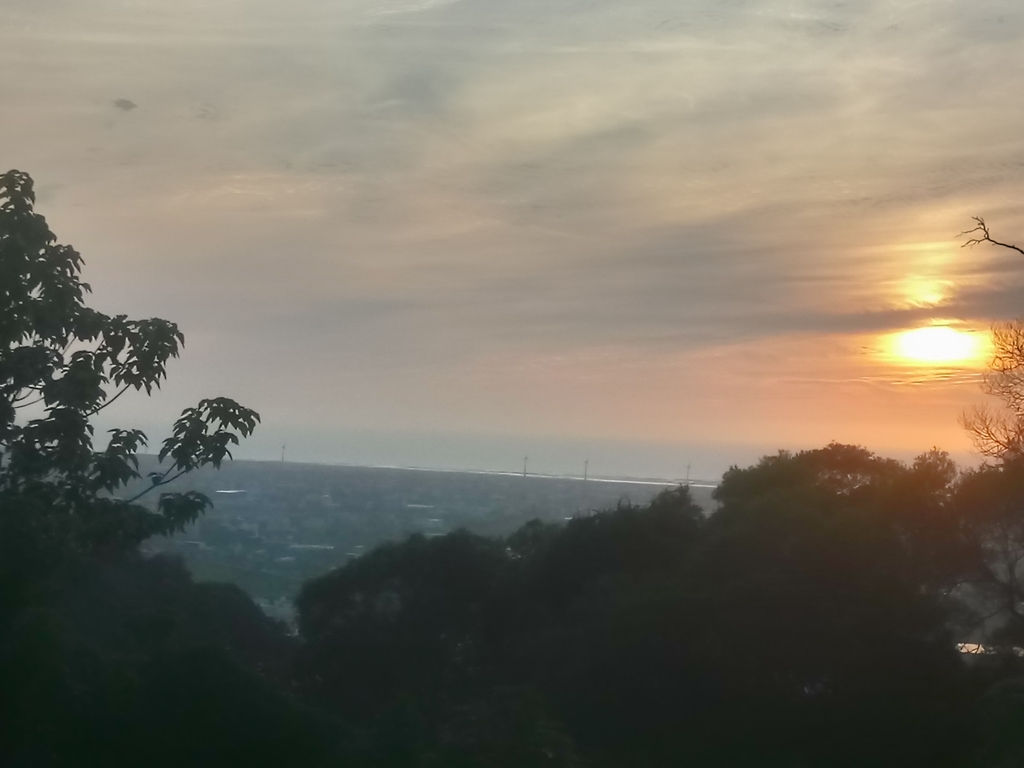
(836, 609)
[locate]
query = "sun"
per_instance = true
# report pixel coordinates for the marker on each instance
(939, 345)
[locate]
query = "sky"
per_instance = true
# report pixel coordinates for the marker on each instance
(454, 233)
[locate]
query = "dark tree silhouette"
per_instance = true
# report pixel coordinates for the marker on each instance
(106, 658)
(803, 623)
(58, 493)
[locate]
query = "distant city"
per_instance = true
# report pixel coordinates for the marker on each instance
(274, 525)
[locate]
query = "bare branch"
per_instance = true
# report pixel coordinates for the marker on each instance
(999, 434)
(993, 435)
(985, 237)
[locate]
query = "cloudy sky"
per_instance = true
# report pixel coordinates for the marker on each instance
(454, 232)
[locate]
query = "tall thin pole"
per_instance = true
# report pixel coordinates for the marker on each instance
(282, 453)
(688, 475)
(585, 463)
(525, 459)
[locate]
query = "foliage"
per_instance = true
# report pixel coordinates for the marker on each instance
(438, 644)
(132, 663)
(804, 623)
(821, 550)
(104, 658)
(404, 619)
(62, 362)
(990, 504)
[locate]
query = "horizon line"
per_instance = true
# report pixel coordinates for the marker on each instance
(630, 480)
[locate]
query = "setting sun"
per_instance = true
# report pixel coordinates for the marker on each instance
(939, 344)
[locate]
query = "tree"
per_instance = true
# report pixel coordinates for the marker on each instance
(796, 625)
(991, 499)
(402, 642)
(825, 604)
(106, 656)
(67, 361)
(999, 434)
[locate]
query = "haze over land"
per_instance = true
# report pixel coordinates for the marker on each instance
(453, 233)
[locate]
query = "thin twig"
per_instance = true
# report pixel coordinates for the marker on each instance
(99, 408)
(164, 481)
(985, 237)
(32, 402)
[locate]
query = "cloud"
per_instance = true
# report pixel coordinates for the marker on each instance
(422, 185)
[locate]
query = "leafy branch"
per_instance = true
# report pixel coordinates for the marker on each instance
(59, 353)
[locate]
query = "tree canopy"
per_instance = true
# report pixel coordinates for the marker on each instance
(807, 621)
(61, 363)
(107, 659)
